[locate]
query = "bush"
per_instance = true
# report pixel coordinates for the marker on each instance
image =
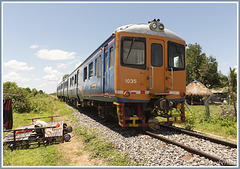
(21, 98)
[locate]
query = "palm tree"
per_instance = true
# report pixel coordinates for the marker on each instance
(232, 79)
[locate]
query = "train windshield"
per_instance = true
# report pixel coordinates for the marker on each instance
(133, 52)
(176, 56)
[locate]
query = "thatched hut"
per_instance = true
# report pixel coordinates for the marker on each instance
(196, 91)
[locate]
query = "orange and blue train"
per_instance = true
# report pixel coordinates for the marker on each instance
(137, 76)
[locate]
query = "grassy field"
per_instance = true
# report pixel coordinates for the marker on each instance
(51, 155)
(45, 105)
(217, 123)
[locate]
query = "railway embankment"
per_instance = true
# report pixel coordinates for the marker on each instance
(101, 142)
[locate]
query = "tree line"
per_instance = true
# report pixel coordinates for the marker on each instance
(205, 69)
(21, 101)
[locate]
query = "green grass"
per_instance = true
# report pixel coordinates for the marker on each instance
(100, 148)
(34, 156)
(44, 105)
(37, 156)
(225, 126)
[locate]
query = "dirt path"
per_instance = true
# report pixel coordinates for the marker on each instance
(73, 151)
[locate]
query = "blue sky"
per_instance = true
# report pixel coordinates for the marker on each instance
(44, 41)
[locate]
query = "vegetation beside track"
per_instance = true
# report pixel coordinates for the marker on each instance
(42, 105)
(100, 148)
(219, 123)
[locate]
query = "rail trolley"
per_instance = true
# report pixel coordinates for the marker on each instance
(24, 136)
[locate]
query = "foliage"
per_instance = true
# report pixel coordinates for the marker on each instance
(37, 156)
(65, 76)
(202, 68)
(223, 80)
(100, 148)
(233, 79)
(20, 97)
(210, 72)
(195, 60)
(221, 121)
(34, 156)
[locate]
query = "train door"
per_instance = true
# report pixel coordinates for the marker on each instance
(156, 66)
(176, 73)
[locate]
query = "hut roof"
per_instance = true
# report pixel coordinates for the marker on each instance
(198, 89)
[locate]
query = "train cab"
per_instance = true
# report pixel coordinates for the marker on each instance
(150, 69)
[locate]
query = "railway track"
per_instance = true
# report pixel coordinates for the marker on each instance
(146, 150)
(212, 139)
(196, 151)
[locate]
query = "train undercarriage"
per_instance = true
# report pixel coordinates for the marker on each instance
(156, 112)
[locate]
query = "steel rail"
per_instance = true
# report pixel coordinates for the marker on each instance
(215, 140)
(192, 150)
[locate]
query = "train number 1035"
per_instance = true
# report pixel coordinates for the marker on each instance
(130, 80)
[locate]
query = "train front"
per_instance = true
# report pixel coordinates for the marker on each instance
(150, 75)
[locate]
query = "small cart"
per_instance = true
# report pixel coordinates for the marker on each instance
(24, 136)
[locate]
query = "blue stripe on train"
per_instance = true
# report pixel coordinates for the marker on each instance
(121, 100)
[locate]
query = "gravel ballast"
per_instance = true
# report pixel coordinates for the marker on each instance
(147, 151)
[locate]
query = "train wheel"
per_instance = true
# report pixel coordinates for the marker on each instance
(67, 137)
(101, 111)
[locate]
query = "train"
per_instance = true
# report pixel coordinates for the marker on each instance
(136, 76)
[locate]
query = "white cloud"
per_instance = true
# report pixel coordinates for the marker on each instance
(14, 77)
(17, 65)
(55, 54)
(34, 46)
(52, 76)
(62, 65)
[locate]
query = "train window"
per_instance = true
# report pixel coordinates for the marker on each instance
(85, 74)
(156, 55)
(98, 66)
(90, 70)
(176, 56)
(133, 53)
(106, 61)
(111, 57)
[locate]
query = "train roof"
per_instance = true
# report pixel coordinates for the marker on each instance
(145, 29)
(135, 28)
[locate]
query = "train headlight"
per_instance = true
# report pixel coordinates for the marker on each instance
(126, 94)
(160, 26)
(153, 25)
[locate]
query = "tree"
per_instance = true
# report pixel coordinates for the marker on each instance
(210, 73)
(9, 85)
(41, 92)
(195, 60)
(233, 79)
(34, 92)
(65, 76)
(200, 67)
(28, 90)
(233, 86)
(223, 80)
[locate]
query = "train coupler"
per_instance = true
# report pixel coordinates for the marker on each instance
(133, 120)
